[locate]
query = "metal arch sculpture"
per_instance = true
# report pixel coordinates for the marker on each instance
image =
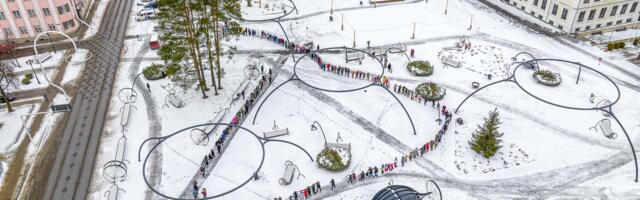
(263, 142)
(404, 52)
(608, 108)
(35, 49)
(295, 77)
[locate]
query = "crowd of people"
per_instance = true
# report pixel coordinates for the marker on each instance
(371, 172)
(230, 129)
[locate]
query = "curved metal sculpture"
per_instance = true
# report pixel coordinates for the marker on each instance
(295, 77)
(35, 50)
(606, 108)
(263, 142)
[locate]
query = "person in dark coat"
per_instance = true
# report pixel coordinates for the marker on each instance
(333, 184)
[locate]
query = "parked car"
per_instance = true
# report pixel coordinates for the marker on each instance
(153, 5)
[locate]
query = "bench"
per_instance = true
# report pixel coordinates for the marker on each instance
(175, 101)
(276, 133)
(605, 127)
(450, 62)
(340, 145)
(376, 52)
(383, 1)
(126, 111)
(289, 172)
(475, 85)
(61, 108)
(353, 56)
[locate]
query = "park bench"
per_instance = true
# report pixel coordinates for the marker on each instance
(346, 146)
(383, 1)
(289, 172)
(61, 108)
(276, 133)
(175, 101)
(475, 85)
(376, 52)
(450, 62)
(605, 127)
(353, 56)
(126, 111)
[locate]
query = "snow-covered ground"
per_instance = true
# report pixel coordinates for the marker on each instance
(548, 152)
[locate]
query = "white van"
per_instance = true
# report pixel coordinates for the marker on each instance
(145, 14)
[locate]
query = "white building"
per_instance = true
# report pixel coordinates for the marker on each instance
(582, 16)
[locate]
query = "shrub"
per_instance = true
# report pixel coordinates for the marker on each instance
(330, 159)
(420, 68)
(610, 46)
(153, 72)
(28, 76)
(26, 81)
(635, 41)
(621, 45)
(431, 91)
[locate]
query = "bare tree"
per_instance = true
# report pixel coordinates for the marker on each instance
(6, 75)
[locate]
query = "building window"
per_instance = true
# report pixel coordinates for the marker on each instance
(587, 28)
(633, 7)
(592, 13)
(614, 9)
(63, 9)
(37, 28)
(2, 17)
(7, 32)
(539, 16)
(51, 27)
(609, 23)
(46, 12)
(560, 27)
(535, 2)
(564, 13)
(68, 24)
(577, 29)
(618, 22)
(533, 13)
(585, 1)
(598, 26)
(23, 30)
(603, 11)
(16, 14)
(521, 7)
(628, 20)
(544, 4)
(554, 10)
(581, 16)
(624, 9)
(551, 22)
(32, 13)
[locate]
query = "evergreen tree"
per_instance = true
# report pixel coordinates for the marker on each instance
(486, 139)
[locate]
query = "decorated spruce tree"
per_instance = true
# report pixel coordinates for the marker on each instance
(486, 139)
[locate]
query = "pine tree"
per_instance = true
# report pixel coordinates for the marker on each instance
(486, 139)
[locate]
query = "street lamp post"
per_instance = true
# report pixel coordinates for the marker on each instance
(51, 43)
(313, 128)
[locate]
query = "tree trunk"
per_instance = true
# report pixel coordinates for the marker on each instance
(216, 39)
(191, 37)
(210, 58)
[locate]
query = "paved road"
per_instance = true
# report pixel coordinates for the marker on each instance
(74, 158)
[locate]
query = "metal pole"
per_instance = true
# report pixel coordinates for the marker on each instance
(354, 38)
(342, 26)
(331, 7)
(471, 23)
(413, 36)
(446, 7)
(321, 130)
(13, 51)
(579, 71)
(34, 71)
(51, 43)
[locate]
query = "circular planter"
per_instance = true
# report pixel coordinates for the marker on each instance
(431, 91)
(153, 72)
(420, 68)
(548, 78)
(334, 159)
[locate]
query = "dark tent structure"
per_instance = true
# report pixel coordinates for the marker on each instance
(397, 192)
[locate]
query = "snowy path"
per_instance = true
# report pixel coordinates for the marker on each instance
(369, 126)
(155, 127)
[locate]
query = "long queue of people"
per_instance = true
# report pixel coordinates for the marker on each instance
(228, 131)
